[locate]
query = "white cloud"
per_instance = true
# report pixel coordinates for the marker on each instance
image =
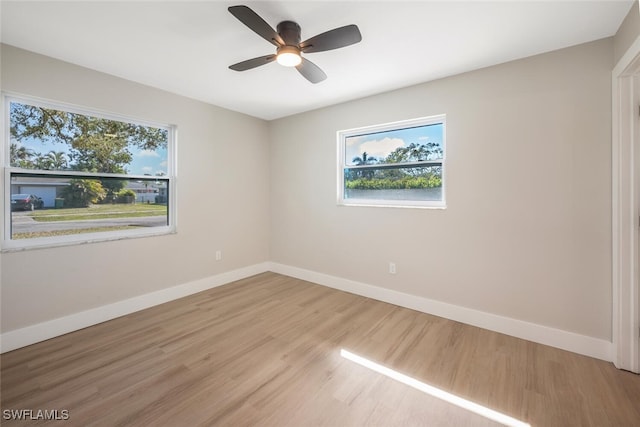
(380, 147)
(353, 140)
(148, 153)
(147, 169)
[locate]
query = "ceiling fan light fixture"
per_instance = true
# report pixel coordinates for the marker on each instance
(289, 56)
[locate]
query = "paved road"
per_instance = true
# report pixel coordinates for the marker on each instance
(22, 223)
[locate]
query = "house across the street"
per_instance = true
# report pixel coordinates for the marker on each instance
(52, 187)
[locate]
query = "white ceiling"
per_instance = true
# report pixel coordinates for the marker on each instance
(185, 47)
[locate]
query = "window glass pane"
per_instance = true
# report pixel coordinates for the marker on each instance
(49, 139)
(412, 144)
(395, 164)
(401, 183)
(47, 206)
(78, 176)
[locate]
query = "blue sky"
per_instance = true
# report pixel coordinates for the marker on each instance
(381, 144)
(148, 162)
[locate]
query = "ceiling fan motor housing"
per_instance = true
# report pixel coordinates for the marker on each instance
(290, 32)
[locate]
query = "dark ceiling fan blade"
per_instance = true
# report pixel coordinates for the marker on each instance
(253, 63)
(332, 39)
(252, 20)
(311, 71)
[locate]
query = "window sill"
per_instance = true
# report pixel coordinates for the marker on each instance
(393, 204)
(80, 239)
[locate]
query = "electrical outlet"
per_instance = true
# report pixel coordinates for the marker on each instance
(392, 268)
(218, 255)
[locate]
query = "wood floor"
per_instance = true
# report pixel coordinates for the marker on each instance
(266, 351)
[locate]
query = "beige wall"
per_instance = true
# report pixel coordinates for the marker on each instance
(526, 233)
(628, 32)
(527, 230)
(222, 200)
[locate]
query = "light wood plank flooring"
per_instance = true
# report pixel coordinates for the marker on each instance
(266, 351)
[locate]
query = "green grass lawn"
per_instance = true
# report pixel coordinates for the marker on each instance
(99, 212)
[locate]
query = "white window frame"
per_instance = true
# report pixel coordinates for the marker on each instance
(8, 244)
(399, 125)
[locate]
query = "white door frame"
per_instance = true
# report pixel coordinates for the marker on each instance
(625, 213)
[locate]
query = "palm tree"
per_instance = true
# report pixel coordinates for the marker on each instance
(365, 160)
(21, 156)
(53, 160)
(57, 159)
(41, 161)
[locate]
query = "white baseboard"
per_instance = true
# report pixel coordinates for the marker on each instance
(558, 338)
(581, 344)
(43, 331)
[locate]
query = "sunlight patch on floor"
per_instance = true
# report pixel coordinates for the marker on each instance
(434, 391)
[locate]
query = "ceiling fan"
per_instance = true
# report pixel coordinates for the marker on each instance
(288, 44)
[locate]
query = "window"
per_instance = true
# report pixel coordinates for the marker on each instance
(74, 176)
(396, 164)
